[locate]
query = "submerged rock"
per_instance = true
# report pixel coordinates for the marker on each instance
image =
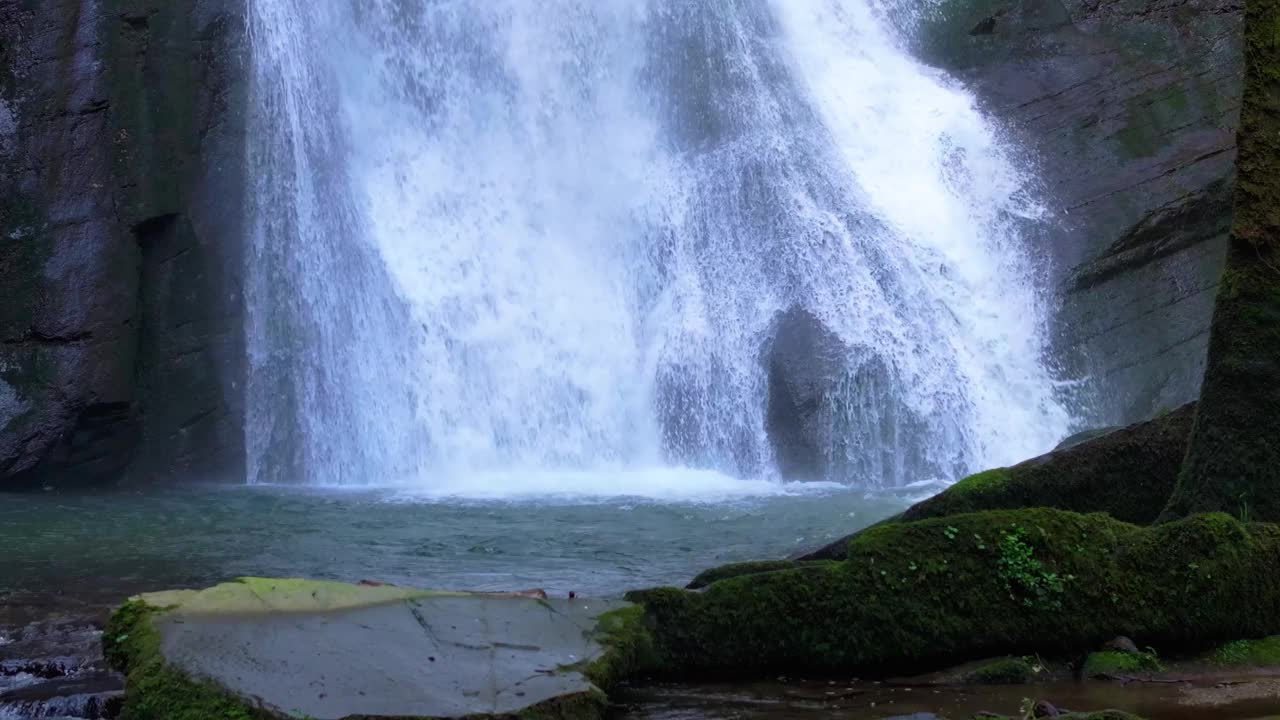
(290, 648)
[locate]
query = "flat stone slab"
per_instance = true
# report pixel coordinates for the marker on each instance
(329, 651)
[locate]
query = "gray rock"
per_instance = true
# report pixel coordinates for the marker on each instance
(120, 147)
(820, 391)
(1122, 644)
(327, 650)
(805, 362)
(1130, 110)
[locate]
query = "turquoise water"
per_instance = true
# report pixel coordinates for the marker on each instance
(92, 550)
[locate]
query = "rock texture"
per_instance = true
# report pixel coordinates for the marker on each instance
(1131, 109)
(284, 648)
(1233, 461)
(120, 172)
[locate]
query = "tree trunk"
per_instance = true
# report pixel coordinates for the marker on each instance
(1233, 460)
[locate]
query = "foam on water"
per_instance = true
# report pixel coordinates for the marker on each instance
(668, 484)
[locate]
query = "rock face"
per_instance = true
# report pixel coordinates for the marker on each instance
(121, 176)
(285, 648)
(1233, 462)
(121, 146)
(813, 379)
(1131, 109)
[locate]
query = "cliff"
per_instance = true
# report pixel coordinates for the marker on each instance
(1130, 110)
(121, 183)
(121, 146)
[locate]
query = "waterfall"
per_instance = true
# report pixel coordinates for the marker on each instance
(750, 238)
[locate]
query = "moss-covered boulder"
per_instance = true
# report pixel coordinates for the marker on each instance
(1004, 671)
(1128, 473)
(259, 648)
(724, 572)
(928, 594)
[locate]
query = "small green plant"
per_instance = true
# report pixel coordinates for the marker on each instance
(1114, 662)
(1244, 513)
(1025, 577)
(1258, 653)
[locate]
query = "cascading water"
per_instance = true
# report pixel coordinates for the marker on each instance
(501, 238)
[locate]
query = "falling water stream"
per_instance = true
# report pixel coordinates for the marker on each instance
(630, 247)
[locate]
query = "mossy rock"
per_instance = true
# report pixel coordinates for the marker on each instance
(1005, 671)
(756, 567)
(259, 648)
(1128, 474)
(1113, 662)
(1249, 653)
(924, 595)
(1233, 458)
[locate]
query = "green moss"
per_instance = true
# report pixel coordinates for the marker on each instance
(628, 647)
(1005, 671)
(928, 594)
(1112, 662)
(1128, 473)
(1233, 462)
(724, 572)
(984, 483)
(153, 690)
(1249, 653)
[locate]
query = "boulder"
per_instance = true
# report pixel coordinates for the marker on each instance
(804, 363)
(292, 648)
(915, 596)
(1128, 473)
(834, 412)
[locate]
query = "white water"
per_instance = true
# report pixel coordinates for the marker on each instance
(510, 247)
